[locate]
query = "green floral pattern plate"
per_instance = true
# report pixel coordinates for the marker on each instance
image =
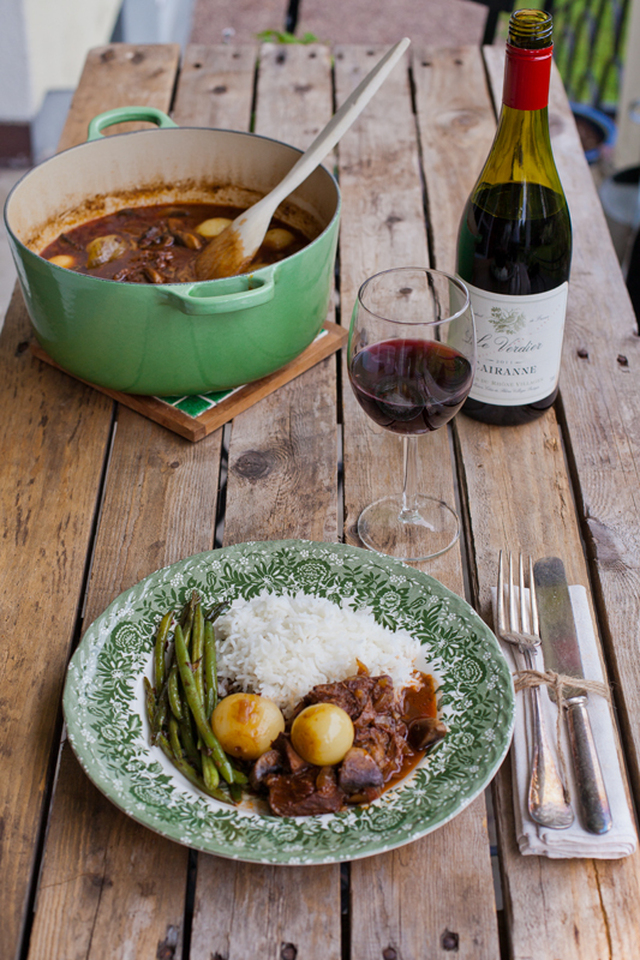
(106, 723)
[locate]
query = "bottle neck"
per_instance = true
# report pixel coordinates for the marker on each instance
(522, 150)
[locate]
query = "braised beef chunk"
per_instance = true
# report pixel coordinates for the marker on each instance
(381, 749)
(312, 791)
(338, 693)
(294, 761)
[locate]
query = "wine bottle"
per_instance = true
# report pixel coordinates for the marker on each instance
(514, 243)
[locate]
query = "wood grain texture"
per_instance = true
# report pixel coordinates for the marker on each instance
(383, 226)
(431, 898)
(282, 482)
(58, 431)
(51, 431)
(247, 910)
(158, 506)
(216, 86)
(83, 908)
(520, 496)
(121, 75)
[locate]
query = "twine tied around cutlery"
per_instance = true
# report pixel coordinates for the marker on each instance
(558, 683)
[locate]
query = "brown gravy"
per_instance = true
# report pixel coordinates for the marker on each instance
(158, 244)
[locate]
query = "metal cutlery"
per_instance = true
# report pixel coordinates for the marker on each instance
(518, 625)
(562, 654)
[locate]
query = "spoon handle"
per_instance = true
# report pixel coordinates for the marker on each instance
(339, 123)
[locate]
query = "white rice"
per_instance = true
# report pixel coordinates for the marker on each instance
(282, 646)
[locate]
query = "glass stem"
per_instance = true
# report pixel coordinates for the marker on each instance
(409, 512)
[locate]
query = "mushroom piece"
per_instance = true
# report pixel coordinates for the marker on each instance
(359, 771)
(425, 732)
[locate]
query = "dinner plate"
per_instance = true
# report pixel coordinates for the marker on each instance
(108, 731)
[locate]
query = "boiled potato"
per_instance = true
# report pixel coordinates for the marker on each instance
(212, 227)
(246, 724)
(105, 249)
(63, 260)
(322, 734)
(277, 238)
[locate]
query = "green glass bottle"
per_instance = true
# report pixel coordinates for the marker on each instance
(514, 243)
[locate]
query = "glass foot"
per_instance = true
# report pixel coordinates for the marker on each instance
(426, 532)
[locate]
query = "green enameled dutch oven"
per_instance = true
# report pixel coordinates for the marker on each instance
(181, 338)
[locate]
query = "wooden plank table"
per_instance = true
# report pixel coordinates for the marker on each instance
(96, 496)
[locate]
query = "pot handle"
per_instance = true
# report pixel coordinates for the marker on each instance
(221, 296)
(125, 115)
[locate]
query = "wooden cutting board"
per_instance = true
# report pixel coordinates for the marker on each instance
(194, 417)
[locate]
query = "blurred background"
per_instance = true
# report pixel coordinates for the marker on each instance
(597, 50)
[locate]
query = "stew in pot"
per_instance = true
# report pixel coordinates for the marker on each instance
(159, 244)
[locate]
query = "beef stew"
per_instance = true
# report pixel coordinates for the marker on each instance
(159, 244)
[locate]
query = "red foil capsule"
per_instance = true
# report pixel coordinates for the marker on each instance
(527, 74)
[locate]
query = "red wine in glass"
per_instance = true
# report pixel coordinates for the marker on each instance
(411, 358)
(410, 386)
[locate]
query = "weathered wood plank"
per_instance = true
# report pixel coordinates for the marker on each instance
(281, 483)
(247, 910)
(520, 494)
(216, 86)
(57, 434)
(159, 506)
(83, 907)
(109, 885)
(120, 75)
(383, 226)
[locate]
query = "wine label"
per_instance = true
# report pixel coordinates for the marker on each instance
(519, 345)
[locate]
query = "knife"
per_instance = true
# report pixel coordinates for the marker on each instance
(562, 654)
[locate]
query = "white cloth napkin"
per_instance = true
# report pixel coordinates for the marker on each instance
(574, 841)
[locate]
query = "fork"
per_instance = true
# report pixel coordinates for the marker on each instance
(518, 624)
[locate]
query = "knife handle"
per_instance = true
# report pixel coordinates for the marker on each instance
(593, 794)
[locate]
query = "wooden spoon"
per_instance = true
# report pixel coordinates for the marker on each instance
(235, 247)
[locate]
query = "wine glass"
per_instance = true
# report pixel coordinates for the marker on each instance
(411, 358)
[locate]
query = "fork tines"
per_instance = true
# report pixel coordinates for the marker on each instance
(522, 615)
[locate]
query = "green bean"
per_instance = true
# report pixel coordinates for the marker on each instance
(210, 675)
(162, 709)
(238, 776)
(173, 691)
(159, 650)
(215, 612)
(187, 771)
(236, 792)
(210, 773)
(174, 738)
(197, 707)
(150, 701)
(186, 619)
(189, 743)
(197, 648)
(156, 709)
